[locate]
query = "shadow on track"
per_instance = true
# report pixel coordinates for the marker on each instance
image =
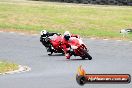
(74, 60)
(56, 55)
(79, 60)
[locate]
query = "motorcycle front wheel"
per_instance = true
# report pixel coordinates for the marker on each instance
(86, 55)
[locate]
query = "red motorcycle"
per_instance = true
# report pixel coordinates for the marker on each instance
(78, 48)
(56, 44)
(52, 43)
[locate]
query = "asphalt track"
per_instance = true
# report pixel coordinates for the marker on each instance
(57, 72)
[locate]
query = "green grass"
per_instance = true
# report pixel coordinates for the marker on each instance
(93, 20)
(6, 66)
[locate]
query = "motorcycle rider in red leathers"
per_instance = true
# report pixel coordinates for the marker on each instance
(65, 44)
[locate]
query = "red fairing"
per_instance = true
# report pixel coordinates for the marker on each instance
(56, 42)
(75, 42)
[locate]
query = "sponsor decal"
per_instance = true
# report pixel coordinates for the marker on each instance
(83, 78)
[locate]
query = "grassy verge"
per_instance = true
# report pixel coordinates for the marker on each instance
(6, 66)
(86, 20)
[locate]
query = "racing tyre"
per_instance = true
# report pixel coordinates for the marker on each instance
(86, 55)
(89, 57)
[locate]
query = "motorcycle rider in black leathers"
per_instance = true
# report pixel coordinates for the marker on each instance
(44, 39)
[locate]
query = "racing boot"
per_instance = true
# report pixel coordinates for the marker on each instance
(67, 56)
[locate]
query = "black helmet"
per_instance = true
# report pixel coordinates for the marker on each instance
(67, 37)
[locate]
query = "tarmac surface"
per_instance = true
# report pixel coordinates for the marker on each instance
(109, 56)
